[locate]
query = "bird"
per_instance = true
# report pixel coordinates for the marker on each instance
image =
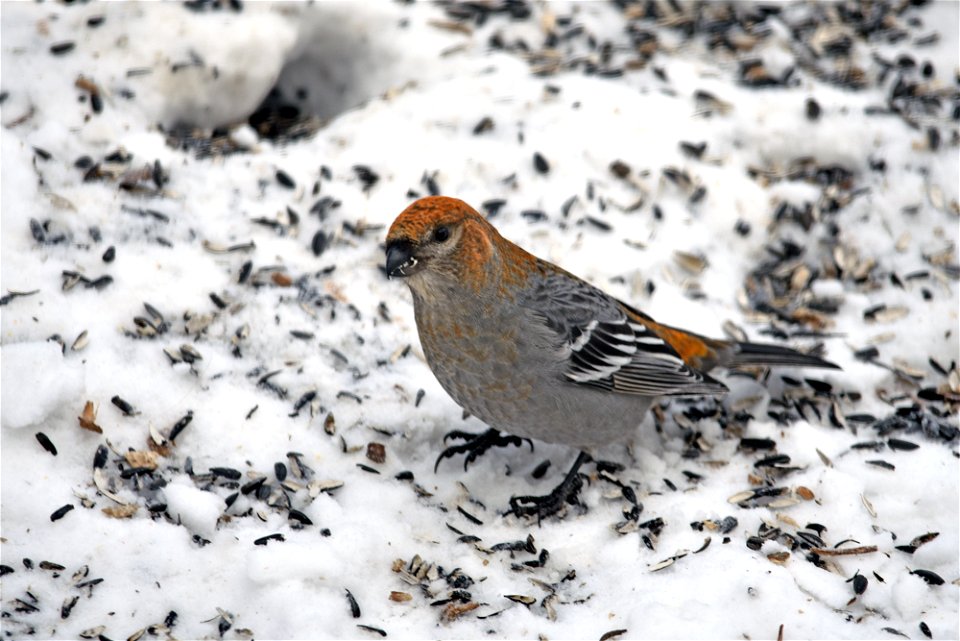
(536, 352)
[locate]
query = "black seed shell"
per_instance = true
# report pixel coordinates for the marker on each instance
(61, 512)
(354, 606)
(540, 163)
(859, 584)
(46, 443)
(931, 578)
(100, 458)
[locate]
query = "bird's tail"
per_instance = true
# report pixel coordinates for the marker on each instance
(704, 353)
(767, 354)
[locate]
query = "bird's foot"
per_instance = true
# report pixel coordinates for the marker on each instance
(475, 445)
(567, 493)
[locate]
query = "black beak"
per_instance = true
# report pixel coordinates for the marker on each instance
(400, 258)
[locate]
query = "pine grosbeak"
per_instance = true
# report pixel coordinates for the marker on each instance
(537, 352)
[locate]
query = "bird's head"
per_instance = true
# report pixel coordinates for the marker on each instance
(439, 236)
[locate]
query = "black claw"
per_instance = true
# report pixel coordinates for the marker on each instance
(460, 435)
(545, 506)
(568, 492)
(476, 445)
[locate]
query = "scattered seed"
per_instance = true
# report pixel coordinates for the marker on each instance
(263, 540)
(693, 150)
(11, 295)
(619, 169)
(521, 598)
(120, 511)
(299, 517)
(320, 243)
(485, 124)
(899, 444)
(932, 578)
(285, 180)
(80, 341)
(67, 606)
(46, 443)
(757, 444)
(599, 224)
(100, 457)
(780, 558)
(859, 584)
(376, 452)
(244, 273)
(330, 424)
(354, 606)
(88, 418)
(863, 549)
(492, 207)
(540, 163)
(181, 425)
(367, 176)
(59, 513)
(453, 611)
(350, 395)
(662, 565)
(469, 516)
(124, 406)
(924, 539)
(62, 48)
(370, 628)
(541, 469)
(692, 263)
(226, 472)
(146, 460)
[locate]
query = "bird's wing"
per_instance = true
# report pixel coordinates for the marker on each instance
(606, 344)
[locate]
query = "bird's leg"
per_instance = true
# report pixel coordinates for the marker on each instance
(476, 444)
(567, 492)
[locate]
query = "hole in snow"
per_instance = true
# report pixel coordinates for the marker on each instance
(344, 55)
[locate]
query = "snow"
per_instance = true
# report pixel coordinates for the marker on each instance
(402, 96)
(36, 382)
(197, 510)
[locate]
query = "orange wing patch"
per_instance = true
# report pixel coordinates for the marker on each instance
(691, 348)
(696, 351)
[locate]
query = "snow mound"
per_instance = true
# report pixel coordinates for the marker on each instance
(36, 381)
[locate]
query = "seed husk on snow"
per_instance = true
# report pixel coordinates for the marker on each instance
(88, 418)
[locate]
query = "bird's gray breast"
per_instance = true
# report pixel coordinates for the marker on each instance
(503, 364)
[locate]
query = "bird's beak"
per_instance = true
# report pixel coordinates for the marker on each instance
(400, 259)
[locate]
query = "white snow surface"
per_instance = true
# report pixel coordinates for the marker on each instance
(36, 382)
(403, 95)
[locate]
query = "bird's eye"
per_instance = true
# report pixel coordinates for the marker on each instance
(441, 234)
